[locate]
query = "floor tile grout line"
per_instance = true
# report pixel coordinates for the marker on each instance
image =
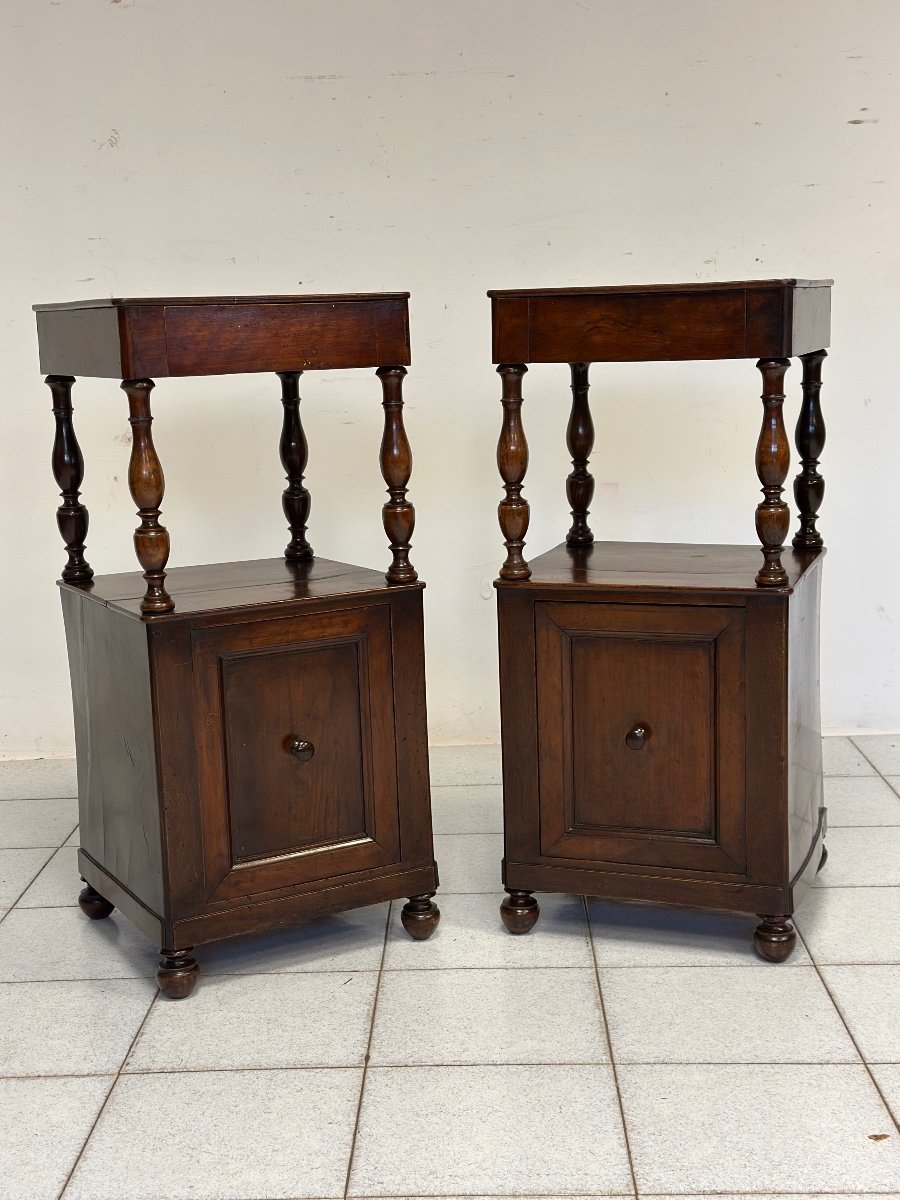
(895, 1119)
(865, 756)
(609, 1046)
(414, 1066)
(4, 915)
(365, 1070)
(102, 1109)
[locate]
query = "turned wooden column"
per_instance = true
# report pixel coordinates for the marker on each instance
(68, 471)
(773, 458)
(580, 441)
(295, 499)
(512, 459)
(147, 485)
(809, 486)
(396, 467)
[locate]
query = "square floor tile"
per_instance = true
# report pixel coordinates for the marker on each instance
(62, 943)
(869, 998)
(650, 935)
(58, 884)
(841, 757)
(888, 1079)
(860, 800)
(465, 764)
(758, 1128)
(722, 1015)
(21, 778)
(851, 925)
(882, 751)
(17, 869)
(225, 1135)
(471, 934)
(236, 1021)
(861, 857)
(468, 808)
(469, 862)
(347, 941)
(503, 1016)
(75, 1027)
(25, 823)
(45, 1124)
(532, 1130)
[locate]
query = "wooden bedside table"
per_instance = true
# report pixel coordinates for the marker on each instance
(251, 736)
(660, 709)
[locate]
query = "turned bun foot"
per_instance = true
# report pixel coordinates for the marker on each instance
(177, 973)
(420, 917)
(94, 905)
(774, 938)
(519, 912)
(824, 859)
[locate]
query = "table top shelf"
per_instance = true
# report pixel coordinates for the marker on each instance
(156, 338)
(766, 318)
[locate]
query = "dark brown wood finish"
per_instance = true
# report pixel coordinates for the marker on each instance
(580, 441)
(222, 335)
(68, 471)
(773, 458)
(512, 459)
(809, 486)
(294, 453)
(147, 483)
(660, 718)
(396, 467)
(251, 736)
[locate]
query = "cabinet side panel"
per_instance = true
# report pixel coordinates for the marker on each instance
(117, 782)
(413, 785)
(518, 721)
(805, 789)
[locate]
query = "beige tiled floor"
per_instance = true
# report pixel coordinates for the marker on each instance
(619, 1050)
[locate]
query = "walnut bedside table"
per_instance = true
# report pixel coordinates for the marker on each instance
(251, 736)
(660, 707)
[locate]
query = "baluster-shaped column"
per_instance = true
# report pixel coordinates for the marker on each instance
(512, 459)
(147, 485)
(809, 486)
(295, 499)
(68, 471)
(580, 441)
(396, 467)
(773, 458)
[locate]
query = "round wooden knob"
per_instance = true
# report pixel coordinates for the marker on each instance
(636, 738)
(301, 750)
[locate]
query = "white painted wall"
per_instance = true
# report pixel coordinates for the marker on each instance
(160, 147)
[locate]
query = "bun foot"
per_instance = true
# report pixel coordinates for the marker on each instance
(420, 917)
(824, 859)
(92, 904)
(519, 912)
(177, 973)
(774, 938)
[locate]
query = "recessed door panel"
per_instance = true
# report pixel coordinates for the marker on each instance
(297, 753)
(640, 713)
(293, 738)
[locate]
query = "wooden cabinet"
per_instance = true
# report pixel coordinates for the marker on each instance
(661, 733)
(251, 736)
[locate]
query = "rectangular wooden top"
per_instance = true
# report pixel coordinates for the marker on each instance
(133, 338)
(659, 567)
(255, 583)
(763, 318)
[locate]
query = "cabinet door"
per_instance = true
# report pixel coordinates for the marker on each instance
(672, 796)
(297, 760)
